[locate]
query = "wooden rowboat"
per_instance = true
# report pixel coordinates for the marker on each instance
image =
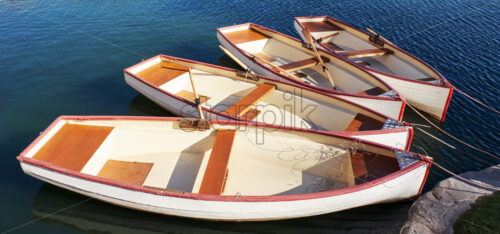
(276, 55)
(221, 173)
(228, 94)
(415, 80)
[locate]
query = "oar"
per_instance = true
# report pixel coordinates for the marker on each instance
(376, 34)
(234, 58)
(319, 40)
(309, 40)
(197, 98)
(274, 66)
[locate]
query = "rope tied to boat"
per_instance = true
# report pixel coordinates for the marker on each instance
(460, 177)
(475, 100)
(453, 137)
(466, 180)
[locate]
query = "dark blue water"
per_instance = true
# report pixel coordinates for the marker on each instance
(67, 57)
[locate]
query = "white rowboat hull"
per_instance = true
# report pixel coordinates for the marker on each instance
(391, 190)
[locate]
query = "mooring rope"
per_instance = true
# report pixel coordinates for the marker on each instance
(473, 99)
(466, 180)
(436, 138)
(453, 137)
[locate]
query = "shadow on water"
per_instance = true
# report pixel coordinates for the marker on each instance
(226, 61)
(97, 216)
(142, 106)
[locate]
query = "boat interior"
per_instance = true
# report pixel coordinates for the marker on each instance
(257, 101)
(223, 160)
(289, 58)
(358, 48)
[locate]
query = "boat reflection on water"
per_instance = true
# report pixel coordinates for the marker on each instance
(142, 106)
(97, 216)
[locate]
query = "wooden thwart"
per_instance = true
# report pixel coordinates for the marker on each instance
(73, 145)
(127, 172)
(215, 175)
(364, 53)
(301, 64)
(274, 67)
(245, 104)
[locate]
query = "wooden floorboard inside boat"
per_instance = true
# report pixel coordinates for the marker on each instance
(162, 72)
(245, 35)
(320, 26)
(73, 145)
(298, 65)
(245, 104)
(216, 172)
(128, 172)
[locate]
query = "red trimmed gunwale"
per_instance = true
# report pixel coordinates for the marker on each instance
(127, 71)
(325, 90)
(445, 84)
(195, 196)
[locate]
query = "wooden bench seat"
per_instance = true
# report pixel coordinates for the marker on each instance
(245, 104)
(301, 64)
(216, 173)
(364, 123)
(364, 53)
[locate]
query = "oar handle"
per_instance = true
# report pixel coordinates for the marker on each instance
(197, 98)
(274, 66)
(372, 32)
(378, 35)
(233, 57)
(326, 37)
